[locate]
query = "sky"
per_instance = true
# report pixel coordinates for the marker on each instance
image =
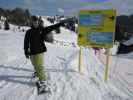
(47, 7)
(60, 7)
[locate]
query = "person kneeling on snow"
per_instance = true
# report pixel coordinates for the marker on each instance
(34, 48)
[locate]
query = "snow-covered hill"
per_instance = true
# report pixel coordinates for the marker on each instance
(61, 63)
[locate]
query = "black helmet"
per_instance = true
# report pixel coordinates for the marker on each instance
(34, 18)
(34, 22)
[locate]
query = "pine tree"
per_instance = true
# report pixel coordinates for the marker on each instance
(6, 25)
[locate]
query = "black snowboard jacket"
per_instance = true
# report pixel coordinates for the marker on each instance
(34, 39)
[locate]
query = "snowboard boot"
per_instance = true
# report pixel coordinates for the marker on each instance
(42, 87)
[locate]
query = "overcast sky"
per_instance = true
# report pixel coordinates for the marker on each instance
(53, 7)
(47, 6)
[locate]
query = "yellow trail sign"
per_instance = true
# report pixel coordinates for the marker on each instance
(96, 27)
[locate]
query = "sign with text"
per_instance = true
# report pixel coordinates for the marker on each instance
(96, 28)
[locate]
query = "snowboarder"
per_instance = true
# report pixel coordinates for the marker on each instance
(34, 48)
(96, 50)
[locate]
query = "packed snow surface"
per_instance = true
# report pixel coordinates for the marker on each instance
(61, 65)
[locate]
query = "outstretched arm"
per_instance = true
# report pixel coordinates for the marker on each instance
(56, 26)
(52, 27)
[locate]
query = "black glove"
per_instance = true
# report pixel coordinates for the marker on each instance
(67, 20)
(27, 56)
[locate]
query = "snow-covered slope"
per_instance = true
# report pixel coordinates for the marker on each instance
(61, 63)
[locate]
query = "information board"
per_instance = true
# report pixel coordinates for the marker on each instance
(96, 28)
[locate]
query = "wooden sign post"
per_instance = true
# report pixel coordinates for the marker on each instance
(96, 28)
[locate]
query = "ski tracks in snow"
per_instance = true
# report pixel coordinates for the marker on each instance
(73, 86)
(15, 81)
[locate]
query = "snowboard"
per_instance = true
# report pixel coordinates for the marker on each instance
(43, 90)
